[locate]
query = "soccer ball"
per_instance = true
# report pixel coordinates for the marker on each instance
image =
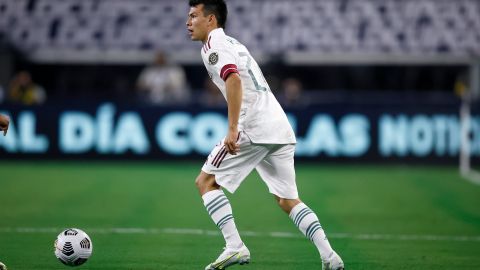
(73, 247)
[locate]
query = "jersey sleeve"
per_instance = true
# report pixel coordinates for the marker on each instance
(222, 61)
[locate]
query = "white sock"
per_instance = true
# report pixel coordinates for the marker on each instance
(306, 220)
(220, 211)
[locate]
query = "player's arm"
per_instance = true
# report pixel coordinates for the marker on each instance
(234, 90)
(4, 122)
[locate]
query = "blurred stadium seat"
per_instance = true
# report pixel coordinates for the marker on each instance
(329, 26)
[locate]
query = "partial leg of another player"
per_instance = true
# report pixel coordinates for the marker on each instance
(220, 210)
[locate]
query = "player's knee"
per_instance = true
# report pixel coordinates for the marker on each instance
(199, 182)
(205, 183)
(287, 204)
(283, 203)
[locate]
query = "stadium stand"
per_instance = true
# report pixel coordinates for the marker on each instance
(97, 48)
(427, 27)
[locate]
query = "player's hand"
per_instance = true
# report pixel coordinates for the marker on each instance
(4, 122)
(231, 141)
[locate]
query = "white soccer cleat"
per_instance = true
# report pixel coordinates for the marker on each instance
(230, 257)
(2, 266)
(334, 262)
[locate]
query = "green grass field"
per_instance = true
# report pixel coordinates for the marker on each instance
(149, 216)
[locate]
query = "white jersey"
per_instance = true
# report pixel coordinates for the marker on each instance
(261, 116)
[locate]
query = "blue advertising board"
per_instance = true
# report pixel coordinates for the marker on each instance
(330, 132)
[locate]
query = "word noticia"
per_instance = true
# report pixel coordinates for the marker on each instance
(181, 133)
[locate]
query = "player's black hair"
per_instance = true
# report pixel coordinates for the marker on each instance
(215, 7)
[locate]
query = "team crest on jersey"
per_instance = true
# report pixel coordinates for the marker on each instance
(213, 58)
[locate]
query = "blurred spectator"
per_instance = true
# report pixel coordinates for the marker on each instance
(163, 83)
(292, 93)
(461, 85)
(24, 90)
(211, 96)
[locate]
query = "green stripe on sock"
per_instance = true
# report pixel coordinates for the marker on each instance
(299, 214)
(310, 227)
(223, 219)
(218, 207)
(306, 213)
(314, 231)
(209, 209)
(214, 200)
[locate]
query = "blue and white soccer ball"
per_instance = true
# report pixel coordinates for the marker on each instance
(73, 247)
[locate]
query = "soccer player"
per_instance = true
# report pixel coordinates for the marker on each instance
(4, 122)
(259, 137)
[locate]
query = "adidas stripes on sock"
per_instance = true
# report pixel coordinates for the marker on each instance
(306, 220)
(220, 211)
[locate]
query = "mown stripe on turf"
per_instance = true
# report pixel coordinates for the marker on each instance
(191, 231)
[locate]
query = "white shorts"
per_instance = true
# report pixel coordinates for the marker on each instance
(274, 164)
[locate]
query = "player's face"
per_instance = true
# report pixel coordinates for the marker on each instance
(197, 23)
